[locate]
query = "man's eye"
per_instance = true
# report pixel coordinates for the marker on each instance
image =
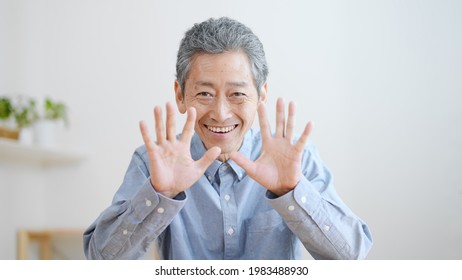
(204, 97)
(204, 94)
(237, 97)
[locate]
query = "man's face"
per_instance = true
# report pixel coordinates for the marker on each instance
(222, 90)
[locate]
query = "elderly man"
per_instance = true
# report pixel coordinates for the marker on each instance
(220, 189)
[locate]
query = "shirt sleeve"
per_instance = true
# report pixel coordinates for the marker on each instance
(315, 213)
(136, 217)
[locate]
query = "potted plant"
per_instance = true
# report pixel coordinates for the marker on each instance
(45, 128)
(25, 115)
(5, 108)
(7, 128)
(55, 111)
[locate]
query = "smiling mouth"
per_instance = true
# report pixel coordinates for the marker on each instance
(221, 129)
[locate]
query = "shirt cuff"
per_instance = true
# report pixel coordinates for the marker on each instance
(295, 205)
(147, 201)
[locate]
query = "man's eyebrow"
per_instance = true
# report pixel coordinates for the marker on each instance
(233, 83)
(204, 83)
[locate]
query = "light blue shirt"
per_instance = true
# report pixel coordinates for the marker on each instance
(227, 215)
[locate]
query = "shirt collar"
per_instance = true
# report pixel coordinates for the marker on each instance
(198, 150)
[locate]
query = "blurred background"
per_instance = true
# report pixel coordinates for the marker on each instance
(382, 80)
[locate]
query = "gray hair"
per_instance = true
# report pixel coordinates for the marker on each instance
(216, 36)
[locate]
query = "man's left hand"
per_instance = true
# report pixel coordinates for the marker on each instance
(278, 168)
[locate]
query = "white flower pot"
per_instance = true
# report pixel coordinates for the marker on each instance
(44, 133)
(26, 136)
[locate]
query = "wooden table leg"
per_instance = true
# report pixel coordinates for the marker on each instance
(43, 238)
(22, 245)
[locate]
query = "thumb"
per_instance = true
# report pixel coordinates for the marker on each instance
(204, 162)
(245, 163)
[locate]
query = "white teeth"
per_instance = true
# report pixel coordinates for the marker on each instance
(221, 129)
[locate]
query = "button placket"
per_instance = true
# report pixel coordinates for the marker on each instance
(229, 210)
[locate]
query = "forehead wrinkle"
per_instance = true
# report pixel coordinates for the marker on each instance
(240, 84)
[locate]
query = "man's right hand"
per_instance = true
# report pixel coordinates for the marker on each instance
(171, 167)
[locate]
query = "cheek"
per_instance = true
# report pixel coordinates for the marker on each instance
(247, 116)
(201, 116)
(200, 112)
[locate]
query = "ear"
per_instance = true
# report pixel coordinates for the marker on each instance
(179, 98)
(263, 91)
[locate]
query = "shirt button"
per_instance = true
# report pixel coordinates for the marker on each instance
(303, 199)
(291, 208)
(160, 210)
(125, 232)
(230, 231)
(224, 168)
(227, 197)
(148, 202)
(326, 227)
(209, 177)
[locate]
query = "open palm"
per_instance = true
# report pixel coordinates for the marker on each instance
(171, 167)
(278, 168)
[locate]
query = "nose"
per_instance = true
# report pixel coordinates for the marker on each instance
(221, 110)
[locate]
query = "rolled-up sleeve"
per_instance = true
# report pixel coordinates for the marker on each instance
(315, 213)
(136, 217)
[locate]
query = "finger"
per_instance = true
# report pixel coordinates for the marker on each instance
(300, 145)
(148, 142)
(290, 122)
(280, 118)
(171, 128)
(246, 164)
(188, 128)
(210, 156)
(265, 129)
(160, 134)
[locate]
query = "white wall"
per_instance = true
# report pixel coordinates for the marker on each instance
(381, 79)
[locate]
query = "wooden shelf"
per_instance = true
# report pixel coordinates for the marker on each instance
(44, 238)
(13, 151)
